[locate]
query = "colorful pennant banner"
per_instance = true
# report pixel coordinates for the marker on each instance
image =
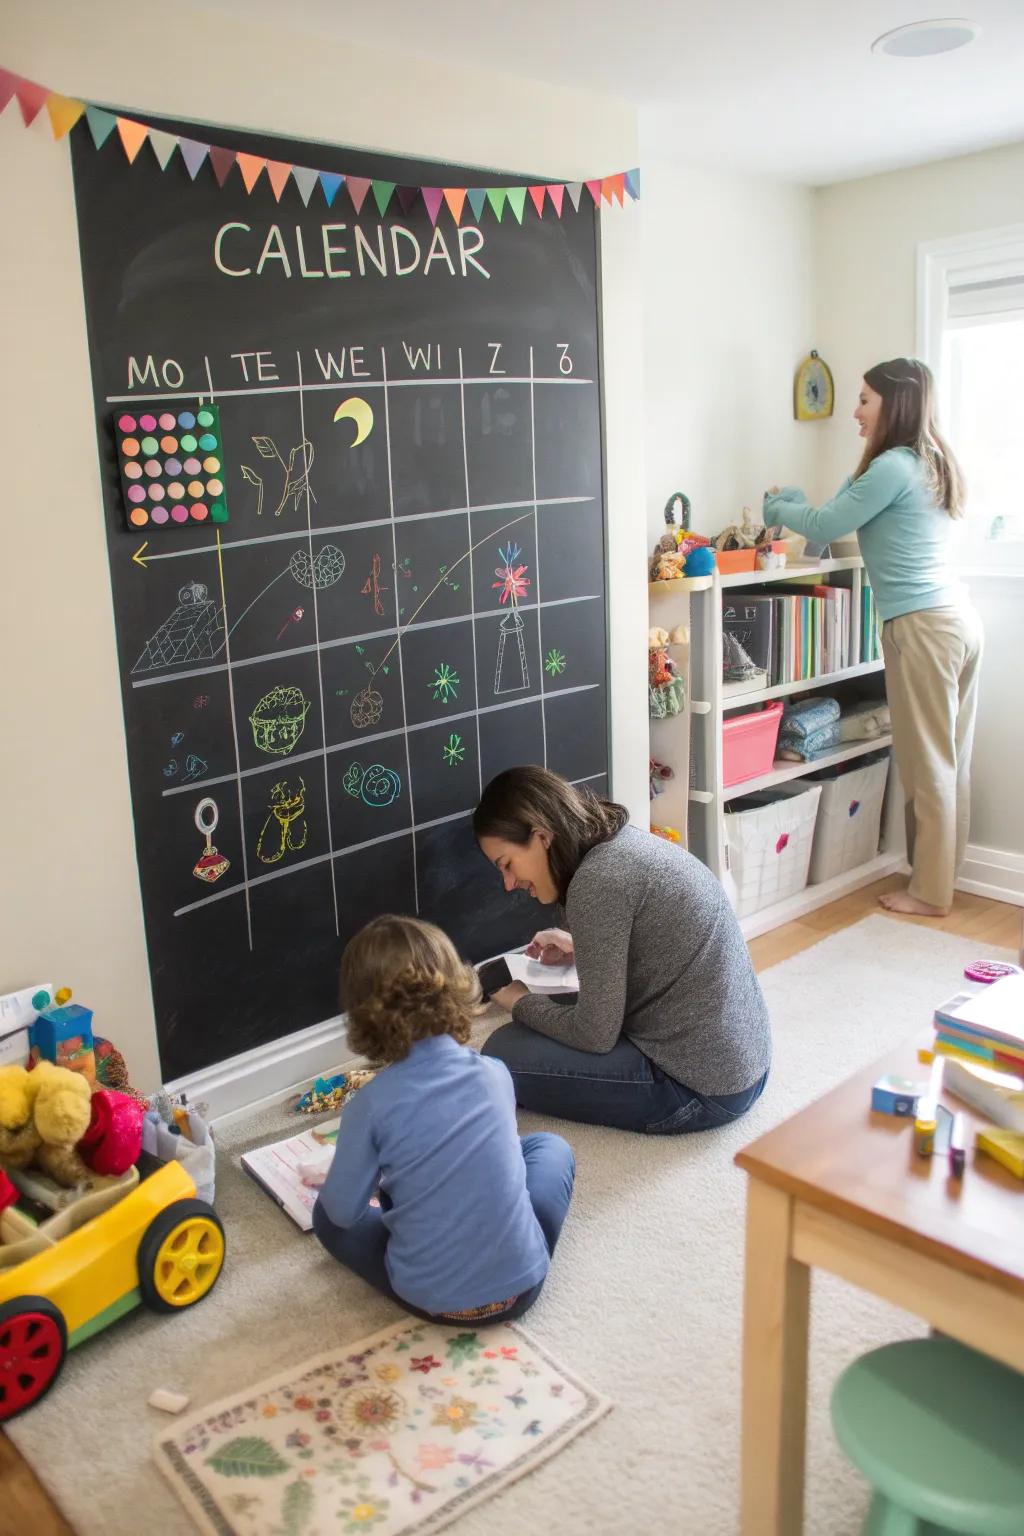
(65, 111)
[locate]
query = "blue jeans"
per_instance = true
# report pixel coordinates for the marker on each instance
(550, 1172)
(622, 1088)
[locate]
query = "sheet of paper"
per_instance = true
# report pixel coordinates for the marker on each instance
(542, 978)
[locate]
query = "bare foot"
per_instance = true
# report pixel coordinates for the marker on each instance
(902, 901)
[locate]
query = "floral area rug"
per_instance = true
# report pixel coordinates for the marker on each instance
(401, 1432)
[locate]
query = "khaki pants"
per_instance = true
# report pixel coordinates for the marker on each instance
(932, 665)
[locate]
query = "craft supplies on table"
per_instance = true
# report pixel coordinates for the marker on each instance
(1007, 1147)
(748, 743)
(892, 1095)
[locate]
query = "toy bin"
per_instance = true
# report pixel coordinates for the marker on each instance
(748, 743)
(849, 816)
(768, 839)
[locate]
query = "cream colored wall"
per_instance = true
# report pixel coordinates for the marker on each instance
(868, 232)
(69, 885)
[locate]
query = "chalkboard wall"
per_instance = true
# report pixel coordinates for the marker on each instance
(403, 600)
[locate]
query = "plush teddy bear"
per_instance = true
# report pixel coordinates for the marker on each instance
(52, 1120)
(19, 1139)
(62, 1111)
(656, 638)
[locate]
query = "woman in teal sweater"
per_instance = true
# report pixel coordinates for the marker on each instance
(902, 500)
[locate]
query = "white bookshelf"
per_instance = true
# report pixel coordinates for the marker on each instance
(709, 797)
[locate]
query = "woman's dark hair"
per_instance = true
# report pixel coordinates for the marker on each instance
(907, 420)
(525, 800)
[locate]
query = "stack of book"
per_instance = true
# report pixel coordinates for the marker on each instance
(981, 1034)
(800, 632)
(870, 639)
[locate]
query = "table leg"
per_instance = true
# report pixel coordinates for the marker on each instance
(775, 1323)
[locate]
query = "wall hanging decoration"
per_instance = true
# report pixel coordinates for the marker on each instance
(813, 390)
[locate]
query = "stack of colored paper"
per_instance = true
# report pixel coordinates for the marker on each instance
(983, 1030)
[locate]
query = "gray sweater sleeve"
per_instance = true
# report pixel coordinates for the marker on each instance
(601, 923)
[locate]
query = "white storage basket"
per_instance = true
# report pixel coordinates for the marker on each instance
(849, 817)
(768, 839)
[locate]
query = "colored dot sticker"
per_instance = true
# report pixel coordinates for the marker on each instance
(133, 471)
(153, 467)
(130, 447)
(176, 491)
(198, 511)
(126, 423)
(207, 442)
(211, 465)
(180, 513)
(138, 517)
(214, 487)
(188, 443)
(149, 444)
(186, 419)
(191, 466)
(195, 487)
(136, 493)
(156, 493)
(160, 514)
(205, 418)
(168, 444)
(167, 422)
(219, 512)
(147, 423)
(173, 466)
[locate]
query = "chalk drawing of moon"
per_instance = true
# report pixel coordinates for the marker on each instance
(361, 413)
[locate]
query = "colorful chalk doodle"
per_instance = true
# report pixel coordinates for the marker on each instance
(375, 785)
(279, 719)
(453, 752)
(555, 662)
(445, 683)
(296, 482)
(210, 865)
(286, 807)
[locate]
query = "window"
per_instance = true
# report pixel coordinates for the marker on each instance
(971, 333)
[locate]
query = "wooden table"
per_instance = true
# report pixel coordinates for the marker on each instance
(842, 1188)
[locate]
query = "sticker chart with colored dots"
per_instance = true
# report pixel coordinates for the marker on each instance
(172, 466)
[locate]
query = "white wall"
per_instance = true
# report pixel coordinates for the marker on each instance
(69, 886)
(867, 237)
(729, 311)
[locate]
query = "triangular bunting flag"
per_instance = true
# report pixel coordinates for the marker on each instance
(64, 113)
(133, 136)
(517, 201)
(433, 197)
(611, 187)
(455, 197)
(357, 186)
(278, 172)
(632, 183)
(31, 99)
(594, 188)
(251, 167)
(477, 197)
(496, 197)
(556, 194)
(537, 199)
(222, 160)
(330, 181)
(407, 197)
(163, 146)
(101, 125)
(192, 152)
(305, 180)
(575, 191)
(8, 85)
(382, 191)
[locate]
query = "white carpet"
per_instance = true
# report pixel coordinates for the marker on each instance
(643, 1301)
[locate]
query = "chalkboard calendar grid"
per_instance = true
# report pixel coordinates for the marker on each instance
(407, 597)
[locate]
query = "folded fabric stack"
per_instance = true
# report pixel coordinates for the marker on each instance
(809, 730)
(865, 721)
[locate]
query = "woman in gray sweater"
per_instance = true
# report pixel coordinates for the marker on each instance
(669, 1031)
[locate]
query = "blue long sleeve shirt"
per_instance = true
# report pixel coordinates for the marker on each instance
(904, 536)
(436, 1132)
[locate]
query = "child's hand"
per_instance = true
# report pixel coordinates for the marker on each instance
(552, 946)
(313, 1175)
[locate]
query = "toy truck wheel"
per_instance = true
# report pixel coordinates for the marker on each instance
(180, 1256)
(33, 1343)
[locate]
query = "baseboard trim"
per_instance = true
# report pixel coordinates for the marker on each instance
(269, 1073)
(993, 872)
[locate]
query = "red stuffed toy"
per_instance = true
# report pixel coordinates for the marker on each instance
(8, 1193)
(113, 1141)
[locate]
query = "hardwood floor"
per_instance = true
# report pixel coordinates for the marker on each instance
(25, 1507)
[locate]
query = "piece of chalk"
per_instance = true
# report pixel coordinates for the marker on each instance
(168, 1402)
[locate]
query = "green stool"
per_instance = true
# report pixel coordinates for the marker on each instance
(938, 1431)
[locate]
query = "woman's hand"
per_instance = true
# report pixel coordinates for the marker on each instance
(506, 997)
(774, 490)
(552, 946)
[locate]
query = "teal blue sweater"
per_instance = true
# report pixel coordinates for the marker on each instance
(904, 537)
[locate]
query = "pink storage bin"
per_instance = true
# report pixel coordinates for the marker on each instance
(748, 743)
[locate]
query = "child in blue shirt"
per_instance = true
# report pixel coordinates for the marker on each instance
(469, 1213)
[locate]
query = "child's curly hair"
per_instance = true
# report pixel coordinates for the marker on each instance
(402, 980)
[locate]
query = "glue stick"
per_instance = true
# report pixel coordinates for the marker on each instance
(926, 1120)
